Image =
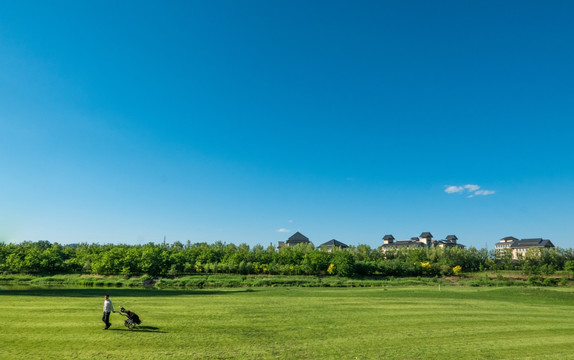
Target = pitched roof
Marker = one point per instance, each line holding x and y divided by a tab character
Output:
451	237
298	237
388	237
426	234
536	242
334	243
546	243
509	238
449	243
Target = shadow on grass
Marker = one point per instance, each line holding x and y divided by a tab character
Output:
137	329
114	292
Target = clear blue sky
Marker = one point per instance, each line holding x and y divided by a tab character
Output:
245	121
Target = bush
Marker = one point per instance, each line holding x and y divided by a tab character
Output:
446	270
457	270
569	266
550	281
535	280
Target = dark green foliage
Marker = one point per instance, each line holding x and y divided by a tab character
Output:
344	263
177	260
535	280
569	267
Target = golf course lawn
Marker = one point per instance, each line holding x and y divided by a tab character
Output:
291	323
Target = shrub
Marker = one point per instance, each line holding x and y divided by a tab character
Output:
457	270
550	281
535	280
331	270
569	266
426	267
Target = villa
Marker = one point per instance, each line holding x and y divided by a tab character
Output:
293	240
332	244
424	240
519	247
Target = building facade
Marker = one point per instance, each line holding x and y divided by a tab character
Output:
519	247
424	240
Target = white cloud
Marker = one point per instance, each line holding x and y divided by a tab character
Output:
451	189
471	189
282	230
484	192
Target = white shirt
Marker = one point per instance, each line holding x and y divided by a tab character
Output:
108	307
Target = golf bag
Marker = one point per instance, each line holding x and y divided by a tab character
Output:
132	318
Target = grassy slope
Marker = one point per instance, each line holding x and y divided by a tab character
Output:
199	281
292	323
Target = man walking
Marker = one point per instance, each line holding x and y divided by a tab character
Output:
108	307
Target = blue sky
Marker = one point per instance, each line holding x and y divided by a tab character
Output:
247	121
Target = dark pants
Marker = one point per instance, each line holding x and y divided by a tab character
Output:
106	319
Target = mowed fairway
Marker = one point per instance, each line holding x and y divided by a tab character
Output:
291	323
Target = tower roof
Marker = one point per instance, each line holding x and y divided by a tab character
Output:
298	237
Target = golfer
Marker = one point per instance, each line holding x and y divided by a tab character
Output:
108	307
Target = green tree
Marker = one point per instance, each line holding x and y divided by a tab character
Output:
317	262
344	263
14	263
151	260
569	267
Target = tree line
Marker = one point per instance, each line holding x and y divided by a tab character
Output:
177	259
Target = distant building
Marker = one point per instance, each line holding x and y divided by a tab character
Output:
519	247
331	244
390	243
293	240
424	240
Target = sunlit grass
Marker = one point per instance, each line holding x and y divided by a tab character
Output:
292	323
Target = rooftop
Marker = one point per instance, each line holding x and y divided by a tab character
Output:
298	237
334	242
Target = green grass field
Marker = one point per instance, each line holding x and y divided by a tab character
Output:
292	323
